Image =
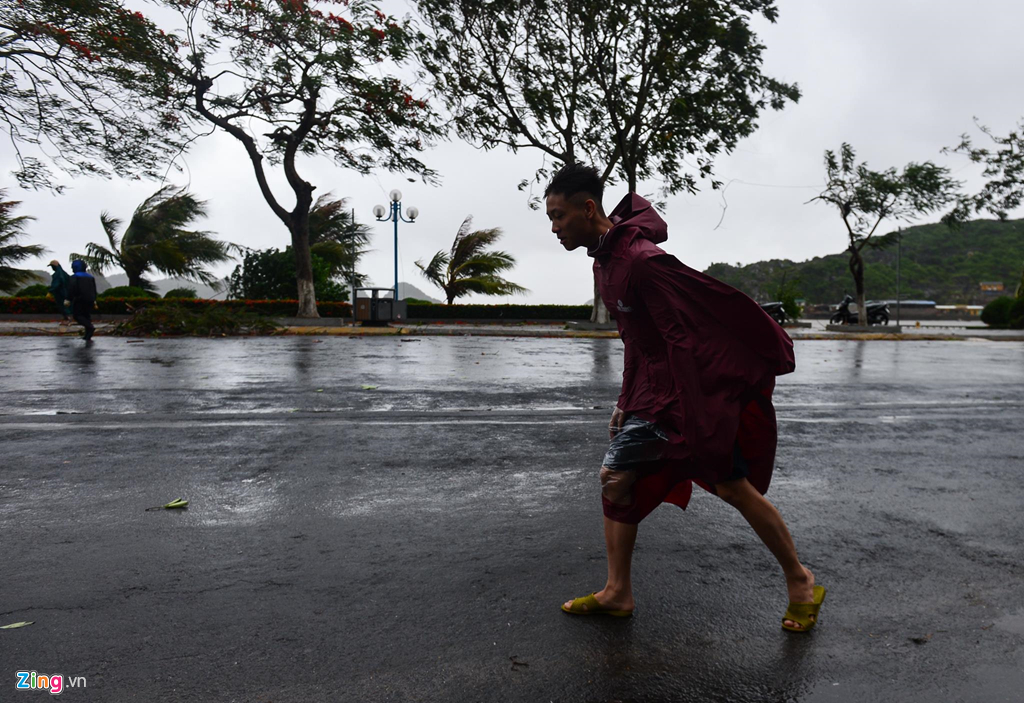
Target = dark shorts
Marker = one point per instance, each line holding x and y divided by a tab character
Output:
642	468
640	442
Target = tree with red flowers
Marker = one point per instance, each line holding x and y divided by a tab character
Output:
83	87
296	78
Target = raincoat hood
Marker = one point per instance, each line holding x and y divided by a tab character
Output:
632	218
78	266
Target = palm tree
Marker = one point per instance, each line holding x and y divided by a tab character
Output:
11	229
156	238
468	268
337	238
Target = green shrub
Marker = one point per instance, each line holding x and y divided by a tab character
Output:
417	301
269	274
499	312
1017	314
39	290
171	319
189	293
127	292
997	313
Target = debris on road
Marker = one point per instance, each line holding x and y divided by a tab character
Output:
177	503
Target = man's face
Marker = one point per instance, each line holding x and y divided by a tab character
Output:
570	220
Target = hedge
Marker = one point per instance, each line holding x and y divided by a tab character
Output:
288	308
120	306
499	312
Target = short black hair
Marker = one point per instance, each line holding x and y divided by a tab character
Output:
575	178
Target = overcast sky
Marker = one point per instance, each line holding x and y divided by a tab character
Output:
898	79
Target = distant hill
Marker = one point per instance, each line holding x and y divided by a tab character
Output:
166	284
938	264
408	290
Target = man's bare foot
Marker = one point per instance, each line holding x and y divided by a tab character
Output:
801	590
611	600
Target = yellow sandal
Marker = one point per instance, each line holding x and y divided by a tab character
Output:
589	605
802	613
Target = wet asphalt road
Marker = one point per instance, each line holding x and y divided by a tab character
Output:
413	542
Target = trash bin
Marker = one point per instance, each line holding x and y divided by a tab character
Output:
372	309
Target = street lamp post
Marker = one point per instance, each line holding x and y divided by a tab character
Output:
379	211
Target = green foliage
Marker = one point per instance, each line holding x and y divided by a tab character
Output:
12	229
303	82
499	312
171	319
337	238
189	293
865	198
269	274
469	267
127	292
39	290
997	313
787	292
938	264
157	238
85	87
1017	314
416	301
645	88
1003	191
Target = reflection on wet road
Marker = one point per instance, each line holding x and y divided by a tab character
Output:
49	375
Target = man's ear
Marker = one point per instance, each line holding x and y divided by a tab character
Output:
590	207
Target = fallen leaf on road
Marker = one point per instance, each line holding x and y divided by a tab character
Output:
177	503
369	388
14	625
921	640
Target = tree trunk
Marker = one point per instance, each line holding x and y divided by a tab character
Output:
857	269
303	265
600	313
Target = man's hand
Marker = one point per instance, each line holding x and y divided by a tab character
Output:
615	424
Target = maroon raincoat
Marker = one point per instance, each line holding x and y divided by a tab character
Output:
700	360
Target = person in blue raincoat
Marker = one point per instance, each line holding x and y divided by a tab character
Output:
82	297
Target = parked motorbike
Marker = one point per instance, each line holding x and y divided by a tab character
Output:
776	312
878	313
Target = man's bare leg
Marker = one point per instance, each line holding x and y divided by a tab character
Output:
770	527
619	539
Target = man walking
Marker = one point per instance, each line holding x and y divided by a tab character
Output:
700	365
59	283
82	297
